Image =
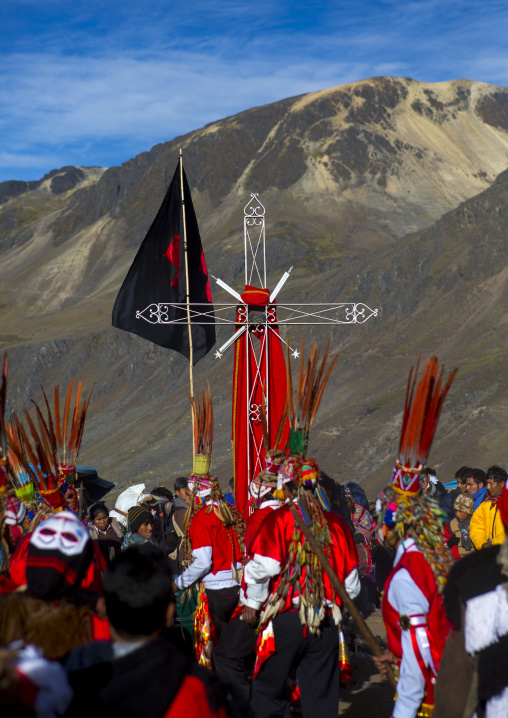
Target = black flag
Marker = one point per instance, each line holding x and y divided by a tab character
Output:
156	280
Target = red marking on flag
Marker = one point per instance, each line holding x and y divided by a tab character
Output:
172	254
207	294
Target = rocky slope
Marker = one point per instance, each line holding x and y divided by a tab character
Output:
383	191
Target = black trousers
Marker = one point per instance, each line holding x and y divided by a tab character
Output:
221	604
316	661
231	655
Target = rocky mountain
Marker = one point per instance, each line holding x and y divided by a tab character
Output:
386	191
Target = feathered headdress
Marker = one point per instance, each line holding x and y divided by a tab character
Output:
403	507
206	490
312	380
266	481
309	392
421	414
202	412
49	458
273	455
303	473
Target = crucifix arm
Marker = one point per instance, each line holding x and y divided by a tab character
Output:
282	282
230	341
227	288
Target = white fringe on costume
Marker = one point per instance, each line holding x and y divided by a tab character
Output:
486	620
497	706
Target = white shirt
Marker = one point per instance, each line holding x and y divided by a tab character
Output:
200	570
408	600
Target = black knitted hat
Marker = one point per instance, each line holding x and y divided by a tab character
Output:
137	515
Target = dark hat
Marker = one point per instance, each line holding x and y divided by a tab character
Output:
138	515
161	492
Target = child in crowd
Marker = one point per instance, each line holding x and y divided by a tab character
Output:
457	531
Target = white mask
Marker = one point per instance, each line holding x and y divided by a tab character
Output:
63	532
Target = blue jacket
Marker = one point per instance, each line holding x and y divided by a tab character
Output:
134	539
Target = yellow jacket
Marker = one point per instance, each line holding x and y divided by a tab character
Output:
486	523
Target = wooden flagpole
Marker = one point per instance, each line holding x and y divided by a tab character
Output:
348	603
187	295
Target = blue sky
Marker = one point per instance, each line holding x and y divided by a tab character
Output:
97	82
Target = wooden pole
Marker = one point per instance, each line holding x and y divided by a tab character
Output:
338	586
187	295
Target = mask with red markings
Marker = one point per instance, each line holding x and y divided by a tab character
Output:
59	554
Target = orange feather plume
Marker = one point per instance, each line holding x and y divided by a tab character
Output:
52	441
310	388
422	409
202	409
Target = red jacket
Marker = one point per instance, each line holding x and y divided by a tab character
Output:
207	529
274	539
254	522
438	627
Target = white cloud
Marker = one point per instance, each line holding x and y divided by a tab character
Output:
61	100
121	77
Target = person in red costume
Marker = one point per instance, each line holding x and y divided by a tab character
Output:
299	608
231	656
412	605
214	544
92	580
54	613
288	592
412	525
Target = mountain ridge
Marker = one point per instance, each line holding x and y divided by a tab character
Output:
433	262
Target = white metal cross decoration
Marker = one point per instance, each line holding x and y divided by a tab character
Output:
259	322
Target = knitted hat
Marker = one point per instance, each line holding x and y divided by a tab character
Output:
15	511
138	515
464	503
273	460
201	485
262	484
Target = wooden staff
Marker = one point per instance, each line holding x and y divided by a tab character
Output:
348	603
187	295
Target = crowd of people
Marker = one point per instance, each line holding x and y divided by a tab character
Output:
88	597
